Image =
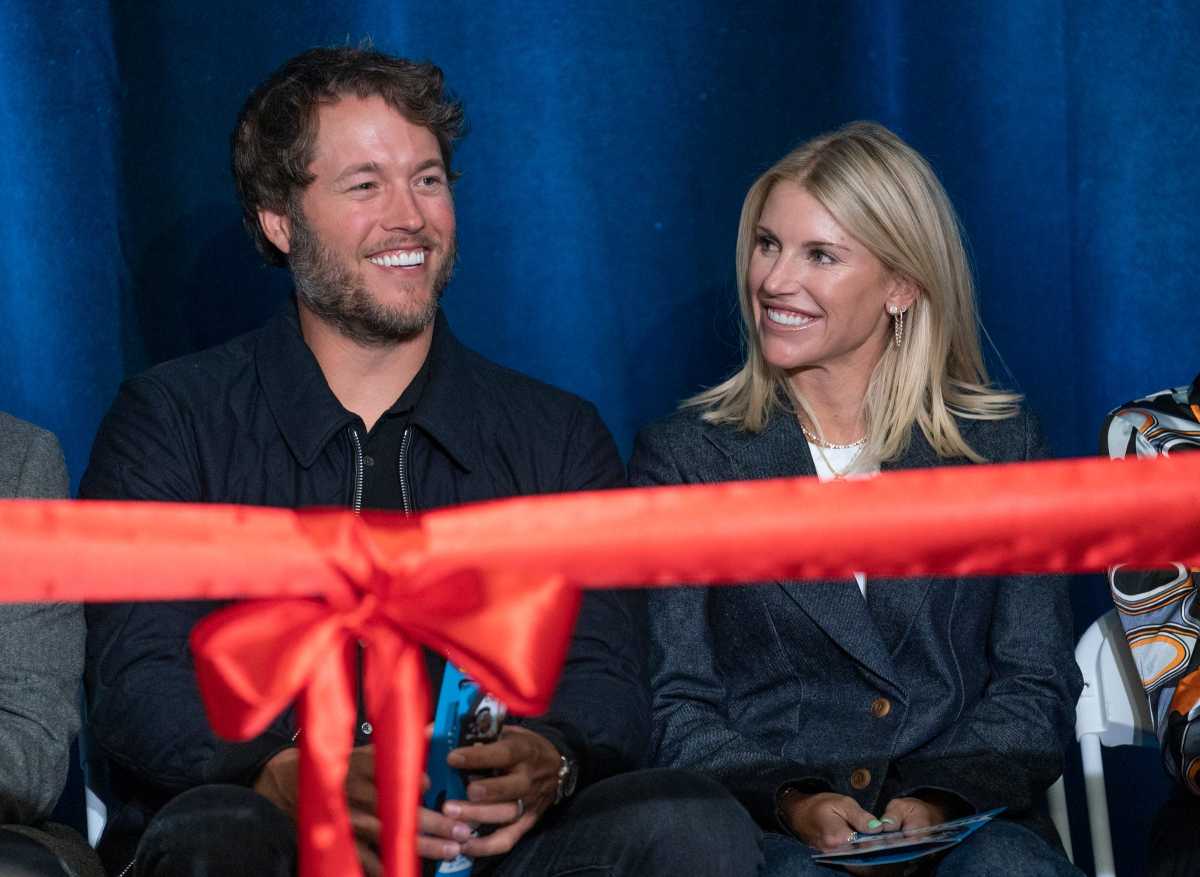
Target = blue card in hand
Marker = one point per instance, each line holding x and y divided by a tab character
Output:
890	847
465	715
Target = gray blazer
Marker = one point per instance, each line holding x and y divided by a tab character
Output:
41	651
962	685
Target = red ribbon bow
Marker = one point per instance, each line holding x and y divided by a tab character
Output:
255	658
436	581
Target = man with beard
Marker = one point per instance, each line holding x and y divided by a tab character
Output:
359	395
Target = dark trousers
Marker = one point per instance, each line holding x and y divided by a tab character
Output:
21	856
652	822
218	830
1175	837
666	823
999	849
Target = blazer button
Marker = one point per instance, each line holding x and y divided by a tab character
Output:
880	707
860	778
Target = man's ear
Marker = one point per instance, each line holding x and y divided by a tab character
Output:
277	227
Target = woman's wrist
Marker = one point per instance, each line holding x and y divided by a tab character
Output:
787	799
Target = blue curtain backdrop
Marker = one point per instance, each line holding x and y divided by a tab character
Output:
611	145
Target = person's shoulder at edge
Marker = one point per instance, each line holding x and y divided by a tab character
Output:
31	460
197	369
1168	398
1007	440
14	430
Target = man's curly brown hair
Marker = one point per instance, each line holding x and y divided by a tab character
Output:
276	130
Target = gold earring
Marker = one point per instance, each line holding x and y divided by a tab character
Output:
897	323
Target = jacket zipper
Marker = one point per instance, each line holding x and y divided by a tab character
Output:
357	498
402	470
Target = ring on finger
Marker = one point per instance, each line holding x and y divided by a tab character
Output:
520	808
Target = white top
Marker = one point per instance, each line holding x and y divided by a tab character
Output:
841	459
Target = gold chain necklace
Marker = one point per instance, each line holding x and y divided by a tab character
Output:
838	474
821	443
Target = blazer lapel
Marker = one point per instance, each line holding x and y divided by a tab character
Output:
894	603
837	607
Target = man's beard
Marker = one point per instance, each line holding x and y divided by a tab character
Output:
335	294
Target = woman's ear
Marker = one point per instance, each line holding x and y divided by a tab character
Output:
903	294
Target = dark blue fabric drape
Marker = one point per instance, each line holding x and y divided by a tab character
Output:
611	145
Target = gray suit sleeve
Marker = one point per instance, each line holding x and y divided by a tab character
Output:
41	661
43	472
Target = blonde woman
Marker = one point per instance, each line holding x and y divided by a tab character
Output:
863	705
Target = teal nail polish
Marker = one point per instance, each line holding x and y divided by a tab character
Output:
874	823
887	820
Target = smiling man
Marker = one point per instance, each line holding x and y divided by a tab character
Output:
359	395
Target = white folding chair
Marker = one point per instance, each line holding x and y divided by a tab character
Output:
1112	711
1056	797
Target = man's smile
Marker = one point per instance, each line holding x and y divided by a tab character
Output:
398	259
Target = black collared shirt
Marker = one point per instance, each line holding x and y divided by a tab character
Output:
385	484
388	481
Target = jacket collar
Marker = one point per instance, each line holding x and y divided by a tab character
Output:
448	410
780	450
309	415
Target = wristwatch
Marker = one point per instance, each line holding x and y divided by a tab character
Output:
568	778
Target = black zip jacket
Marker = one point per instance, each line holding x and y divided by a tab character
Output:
254	422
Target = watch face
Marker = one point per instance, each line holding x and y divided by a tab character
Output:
572	777
568	776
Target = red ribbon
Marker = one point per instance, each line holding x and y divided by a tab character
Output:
490	585
510	633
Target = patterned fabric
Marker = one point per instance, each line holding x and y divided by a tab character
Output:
1158	608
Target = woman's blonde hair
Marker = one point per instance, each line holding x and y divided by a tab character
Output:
881	191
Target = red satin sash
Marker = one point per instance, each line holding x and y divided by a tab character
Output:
492	585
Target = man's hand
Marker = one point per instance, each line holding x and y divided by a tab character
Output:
826	819
909	813
526	783
360	796
279	782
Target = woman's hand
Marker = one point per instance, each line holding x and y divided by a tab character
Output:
909	813
826	819
438	835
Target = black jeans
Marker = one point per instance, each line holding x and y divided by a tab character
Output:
21	856
1174	849
218	830
663	822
